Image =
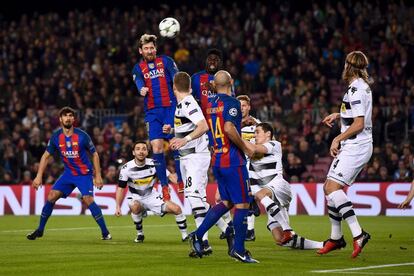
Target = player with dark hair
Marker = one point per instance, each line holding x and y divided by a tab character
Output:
73	144
229	167
139	175
201	81
153	77
272	190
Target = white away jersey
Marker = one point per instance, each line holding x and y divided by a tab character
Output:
187	114
140	179
264	169
357	102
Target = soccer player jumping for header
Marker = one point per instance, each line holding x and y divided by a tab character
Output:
153	77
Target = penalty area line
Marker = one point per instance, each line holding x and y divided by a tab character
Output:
349	270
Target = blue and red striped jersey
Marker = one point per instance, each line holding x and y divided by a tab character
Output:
158	76
220	109
73	151
200	90
202	93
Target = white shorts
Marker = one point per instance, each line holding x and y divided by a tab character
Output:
349	162
194	168
152	202
280	189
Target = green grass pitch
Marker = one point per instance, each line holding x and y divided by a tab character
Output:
72	246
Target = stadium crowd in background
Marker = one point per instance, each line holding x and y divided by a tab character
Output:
289	61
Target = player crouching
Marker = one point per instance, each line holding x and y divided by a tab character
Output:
139	174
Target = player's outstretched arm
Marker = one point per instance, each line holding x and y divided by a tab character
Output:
37	182
235	137
410	197
97	171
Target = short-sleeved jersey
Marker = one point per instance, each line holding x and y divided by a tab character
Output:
73	150
357	102
158	76
140	179
263	170
187	114
248	131
223	108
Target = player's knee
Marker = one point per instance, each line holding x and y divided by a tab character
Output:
331	186
173	208
88	200
157	146
135	208
53	196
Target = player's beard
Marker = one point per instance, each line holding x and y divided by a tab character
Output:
67	125
212	69
149	57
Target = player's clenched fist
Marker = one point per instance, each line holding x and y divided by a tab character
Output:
37	182
144	91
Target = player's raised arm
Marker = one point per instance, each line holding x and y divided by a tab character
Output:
37	182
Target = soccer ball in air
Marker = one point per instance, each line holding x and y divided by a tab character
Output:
169	27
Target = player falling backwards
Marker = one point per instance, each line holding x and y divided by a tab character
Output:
272	190
351	150
139	175
73	145
153	77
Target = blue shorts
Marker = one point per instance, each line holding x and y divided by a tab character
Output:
233	184
67	183
156	118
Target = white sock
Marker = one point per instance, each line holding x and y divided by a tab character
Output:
227	217
274	211
345	208
299	242
250	222
182	224
336	220
138	222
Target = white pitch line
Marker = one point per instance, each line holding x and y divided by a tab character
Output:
87	228
361	268
374	273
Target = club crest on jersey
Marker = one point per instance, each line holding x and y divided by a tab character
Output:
343	108
68	144
151	65
233	112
